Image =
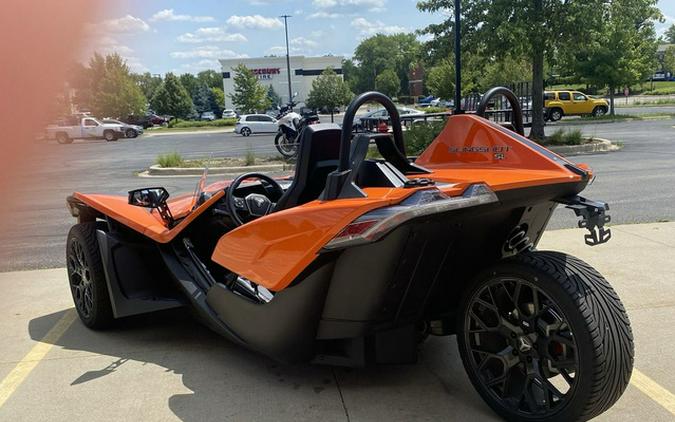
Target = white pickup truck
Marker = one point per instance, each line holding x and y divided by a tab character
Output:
70	128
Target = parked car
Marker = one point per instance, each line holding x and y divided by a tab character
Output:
70	128
255	123
130	131
229	114
426	101
208	115
571	103
146	121
382	114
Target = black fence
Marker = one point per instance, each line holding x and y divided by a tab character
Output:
498	110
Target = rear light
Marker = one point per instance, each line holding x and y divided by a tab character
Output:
372	226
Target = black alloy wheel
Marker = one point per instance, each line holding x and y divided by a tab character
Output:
544	337
521	346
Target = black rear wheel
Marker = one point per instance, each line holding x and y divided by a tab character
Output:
86	277
544	337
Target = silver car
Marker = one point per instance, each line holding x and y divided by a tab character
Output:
255	123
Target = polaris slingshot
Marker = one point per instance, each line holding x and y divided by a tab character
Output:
354	261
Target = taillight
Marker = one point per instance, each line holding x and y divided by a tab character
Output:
372	226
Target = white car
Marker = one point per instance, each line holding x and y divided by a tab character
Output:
229	114
255	123
370	118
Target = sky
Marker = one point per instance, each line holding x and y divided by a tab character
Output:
160	36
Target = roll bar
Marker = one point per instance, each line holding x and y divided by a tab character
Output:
513	100
348	123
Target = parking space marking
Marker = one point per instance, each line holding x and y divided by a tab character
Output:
653	390
22	369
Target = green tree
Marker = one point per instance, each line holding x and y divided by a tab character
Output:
670	34
624	51
211	78
537	29
203	100
190	83
218	101
112	89
329	91
440	79
172	98
249	95
669	59
148	83
374	55
388	83
274	98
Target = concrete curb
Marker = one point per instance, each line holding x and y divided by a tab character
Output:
158	171
151	133
600	146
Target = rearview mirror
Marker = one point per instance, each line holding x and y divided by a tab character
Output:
148	197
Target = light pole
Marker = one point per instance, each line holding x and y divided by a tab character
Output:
458	60
288	61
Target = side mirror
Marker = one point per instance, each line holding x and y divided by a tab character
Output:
148	197
153	198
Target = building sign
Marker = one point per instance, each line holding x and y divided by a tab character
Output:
266	73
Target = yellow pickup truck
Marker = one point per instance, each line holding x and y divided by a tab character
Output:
572	103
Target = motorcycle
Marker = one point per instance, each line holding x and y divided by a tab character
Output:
290	125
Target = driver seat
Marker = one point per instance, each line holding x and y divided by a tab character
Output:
318	156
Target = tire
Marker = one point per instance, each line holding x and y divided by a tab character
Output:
87	278
580	328
62	138
599	111
130	133
284	146
555	114
109	136
245	132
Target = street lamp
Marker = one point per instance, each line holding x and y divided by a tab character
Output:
288	61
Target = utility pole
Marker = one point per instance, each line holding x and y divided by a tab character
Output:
288	61
458	60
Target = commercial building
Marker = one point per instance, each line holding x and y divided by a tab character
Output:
272	71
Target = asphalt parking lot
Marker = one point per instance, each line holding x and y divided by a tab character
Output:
165	366
638	182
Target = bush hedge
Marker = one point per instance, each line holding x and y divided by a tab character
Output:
179	123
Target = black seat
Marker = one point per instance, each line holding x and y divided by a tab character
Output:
318	156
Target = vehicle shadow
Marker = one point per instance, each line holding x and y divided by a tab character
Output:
229	382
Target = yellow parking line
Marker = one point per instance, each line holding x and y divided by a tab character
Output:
36	354
653	390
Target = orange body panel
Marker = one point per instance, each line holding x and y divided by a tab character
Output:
471	149
273	250
147	221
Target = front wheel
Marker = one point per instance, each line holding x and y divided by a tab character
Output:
286	147
130	133
544	337
86	277
599	111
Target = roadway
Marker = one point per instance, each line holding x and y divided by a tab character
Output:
638	182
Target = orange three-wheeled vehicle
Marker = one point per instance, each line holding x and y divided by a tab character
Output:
356	260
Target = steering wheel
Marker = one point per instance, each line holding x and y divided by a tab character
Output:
254	205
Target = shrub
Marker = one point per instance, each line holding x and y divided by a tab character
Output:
178	123
249	160
562	137
436	110
421	134
172	159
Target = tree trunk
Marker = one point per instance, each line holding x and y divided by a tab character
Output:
331	116
537	131
611	101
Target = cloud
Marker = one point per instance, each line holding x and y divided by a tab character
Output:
254	22
212	35
108	45
207	52
304	42
351	5
125	25
196	67
324	15
169	16
367	28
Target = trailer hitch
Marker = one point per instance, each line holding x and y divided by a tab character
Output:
593	218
